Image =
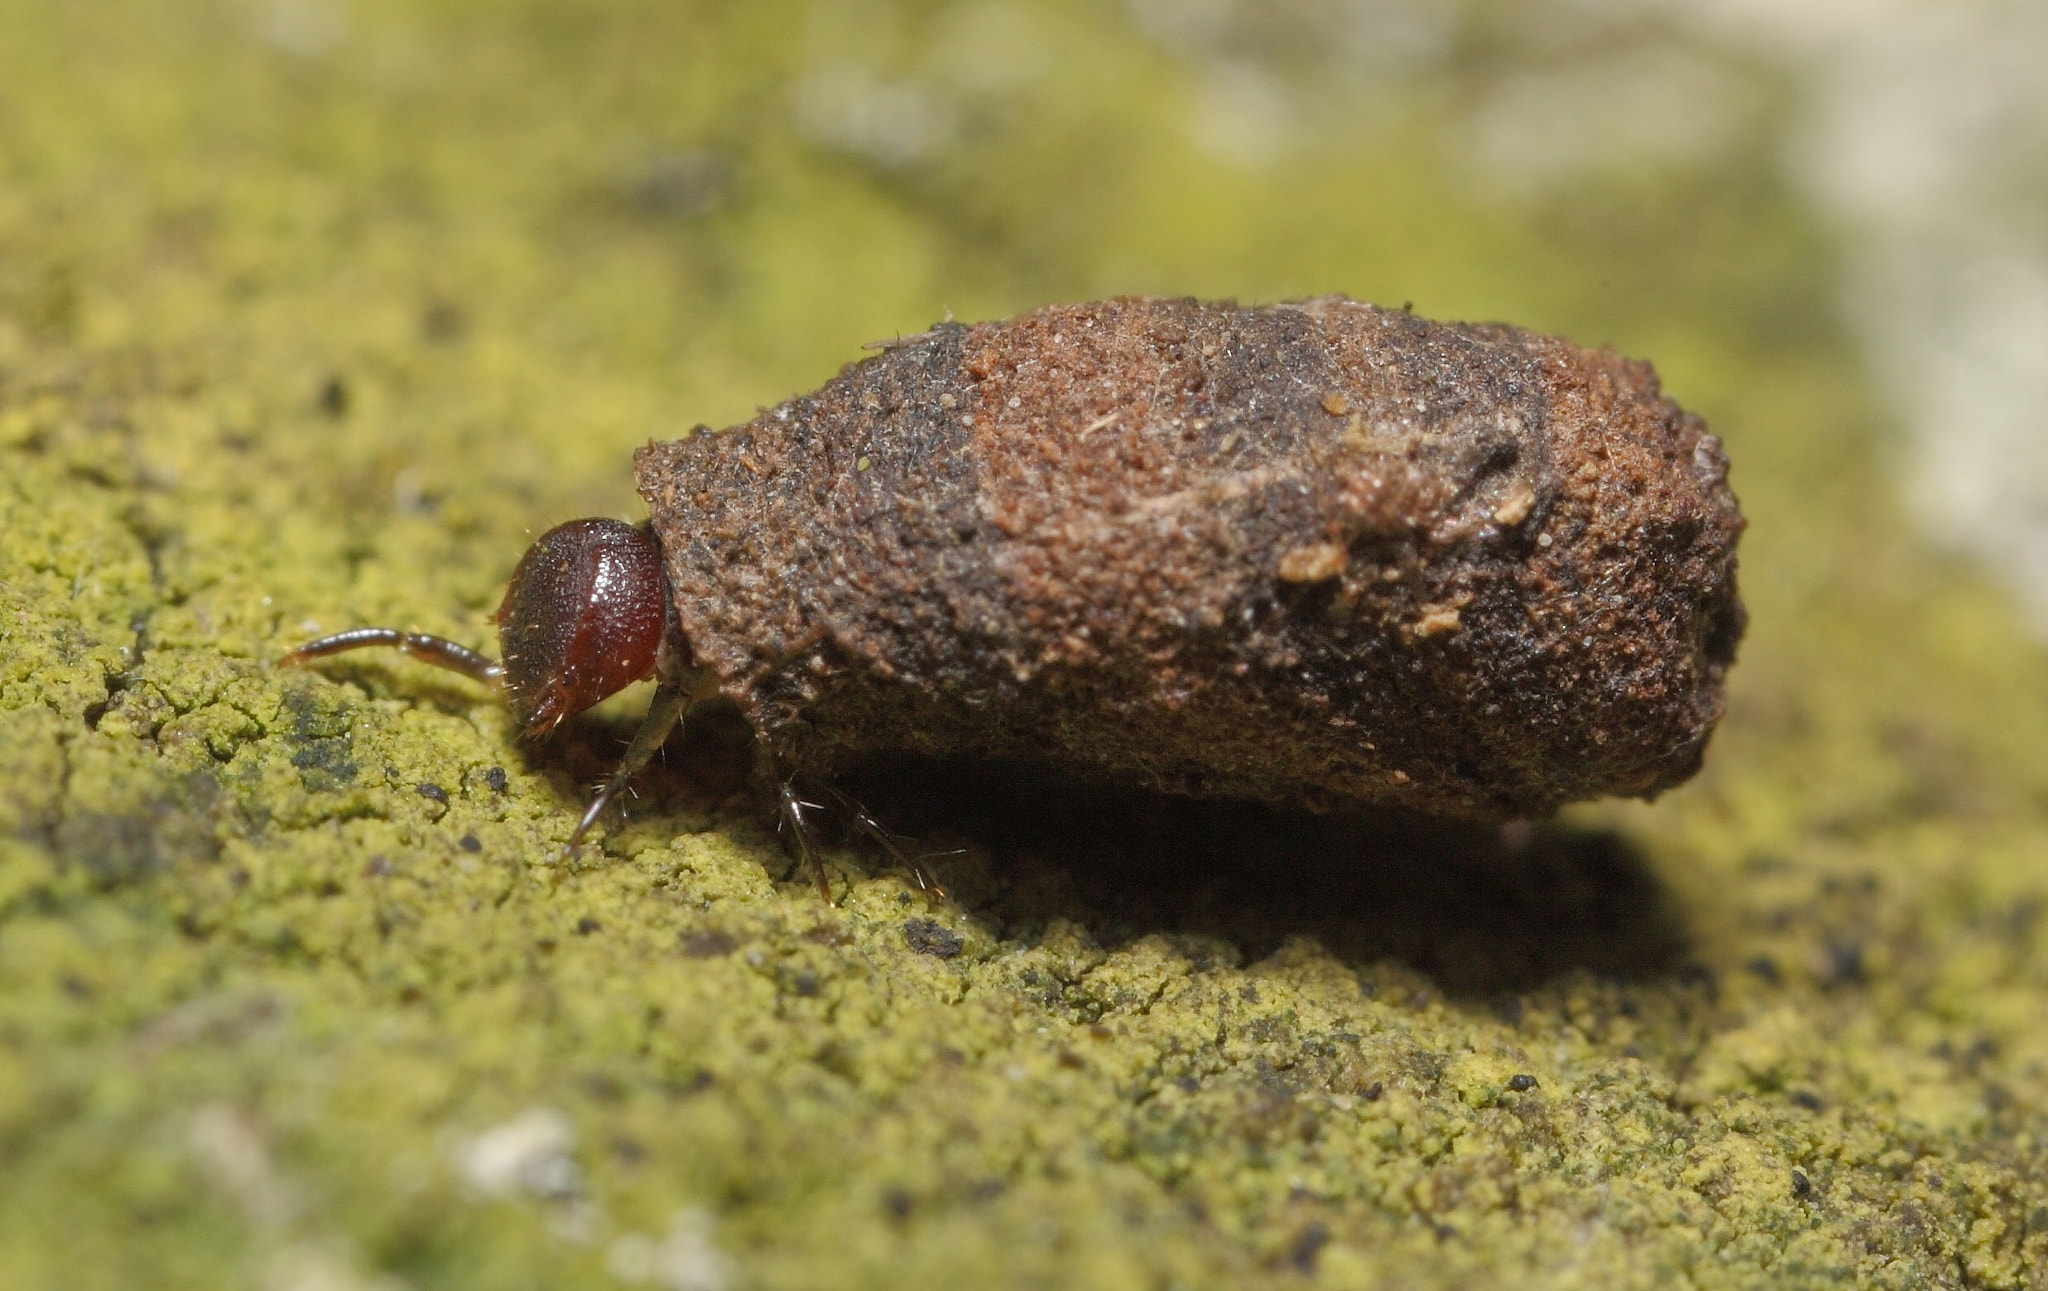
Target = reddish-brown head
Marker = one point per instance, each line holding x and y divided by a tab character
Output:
582	619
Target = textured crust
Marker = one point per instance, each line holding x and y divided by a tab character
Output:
1317	553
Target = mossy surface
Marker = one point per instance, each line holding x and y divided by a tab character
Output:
309	315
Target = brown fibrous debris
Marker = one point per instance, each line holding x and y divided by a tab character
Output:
1317	553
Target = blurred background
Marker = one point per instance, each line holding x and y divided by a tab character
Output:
1635	172
724	201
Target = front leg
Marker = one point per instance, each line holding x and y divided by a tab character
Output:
796	813
671	697
864	821
792	810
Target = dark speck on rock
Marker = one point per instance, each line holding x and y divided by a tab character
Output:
1841	964
927	937
1308	1247
1766	970
695	1083
1801	1185
587	925
471	843
1521	1082
323	763
684	185
434	793
708	943
1808	1100
1374	1090
334	397
495	778
442	322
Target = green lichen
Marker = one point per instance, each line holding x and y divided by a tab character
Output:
304	326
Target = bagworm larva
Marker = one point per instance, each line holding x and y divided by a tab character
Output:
1316	553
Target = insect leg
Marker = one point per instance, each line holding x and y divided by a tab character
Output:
865	822
671	697
792	809
438	651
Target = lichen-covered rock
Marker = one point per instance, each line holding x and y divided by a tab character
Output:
314	315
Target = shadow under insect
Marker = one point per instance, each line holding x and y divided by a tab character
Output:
1481	909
